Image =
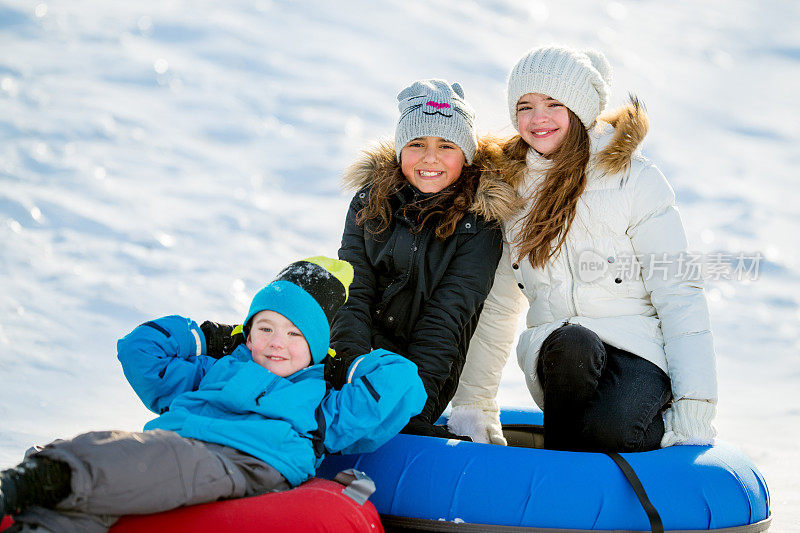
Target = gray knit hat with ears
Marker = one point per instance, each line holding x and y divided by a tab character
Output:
434	108
579	79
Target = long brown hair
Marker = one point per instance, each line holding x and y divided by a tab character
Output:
545	227
449	206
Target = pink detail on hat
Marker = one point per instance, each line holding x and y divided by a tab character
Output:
437	105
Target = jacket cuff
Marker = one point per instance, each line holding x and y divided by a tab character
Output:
184	332
692	366
198	339
483	405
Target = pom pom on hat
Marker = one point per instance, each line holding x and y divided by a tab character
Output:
307	292
600	62
579	79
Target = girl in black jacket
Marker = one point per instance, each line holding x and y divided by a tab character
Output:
423	236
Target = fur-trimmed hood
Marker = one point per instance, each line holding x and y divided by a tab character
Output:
615	139
495	199
630	125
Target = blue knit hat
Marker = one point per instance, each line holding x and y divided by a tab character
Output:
308	293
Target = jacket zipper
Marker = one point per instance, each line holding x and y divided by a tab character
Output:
396	287
571	281
266	391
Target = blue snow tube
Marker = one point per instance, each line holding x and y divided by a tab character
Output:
441	485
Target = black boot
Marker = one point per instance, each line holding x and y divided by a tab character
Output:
35	481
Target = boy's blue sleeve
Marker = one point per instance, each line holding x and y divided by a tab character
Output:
383	391
164	358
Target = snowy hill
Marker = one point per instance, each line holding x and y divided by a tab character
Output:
169	157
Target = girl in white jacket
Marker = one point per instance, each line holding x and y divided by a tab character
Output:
617	349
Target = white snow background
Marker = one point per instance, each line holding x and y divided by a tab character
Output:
169	156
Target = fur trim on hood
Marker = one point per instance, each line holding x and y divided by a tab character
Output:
630	125
495	199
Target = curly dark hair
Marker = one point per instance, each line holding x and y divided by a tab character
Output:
445	208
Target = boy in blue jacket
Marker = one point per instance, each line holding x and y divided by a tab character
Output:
260	419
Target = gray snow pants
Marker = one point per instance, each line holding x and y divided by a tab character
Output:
117	472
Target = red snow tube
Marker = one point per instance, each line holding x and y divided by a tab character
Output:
317	505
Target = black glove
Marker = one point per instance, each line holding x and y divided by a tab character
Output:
418	426
220	338
336	370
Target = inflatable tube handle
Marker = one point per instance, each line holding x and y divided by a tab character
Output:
656	526
358	485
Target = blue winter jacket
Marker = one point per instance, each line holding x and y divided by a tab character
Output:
289	423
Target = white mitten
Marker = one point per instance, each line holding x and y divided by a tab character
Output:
689	422
480	420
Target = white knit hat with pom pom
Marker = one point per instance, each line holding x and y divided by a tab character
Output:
579	79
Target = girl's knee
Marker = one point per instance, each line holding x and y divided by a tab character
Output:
572	340
572	348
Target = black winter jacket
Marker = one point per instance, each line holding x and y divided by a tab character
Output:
413	293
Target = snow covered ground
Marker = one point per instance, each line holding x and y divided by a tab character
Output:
170	156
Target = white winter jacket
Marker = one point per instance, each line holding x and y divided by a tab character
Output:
619	273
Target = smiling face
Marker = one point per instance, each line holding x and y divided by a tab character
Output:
277	344
431	163
543	122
